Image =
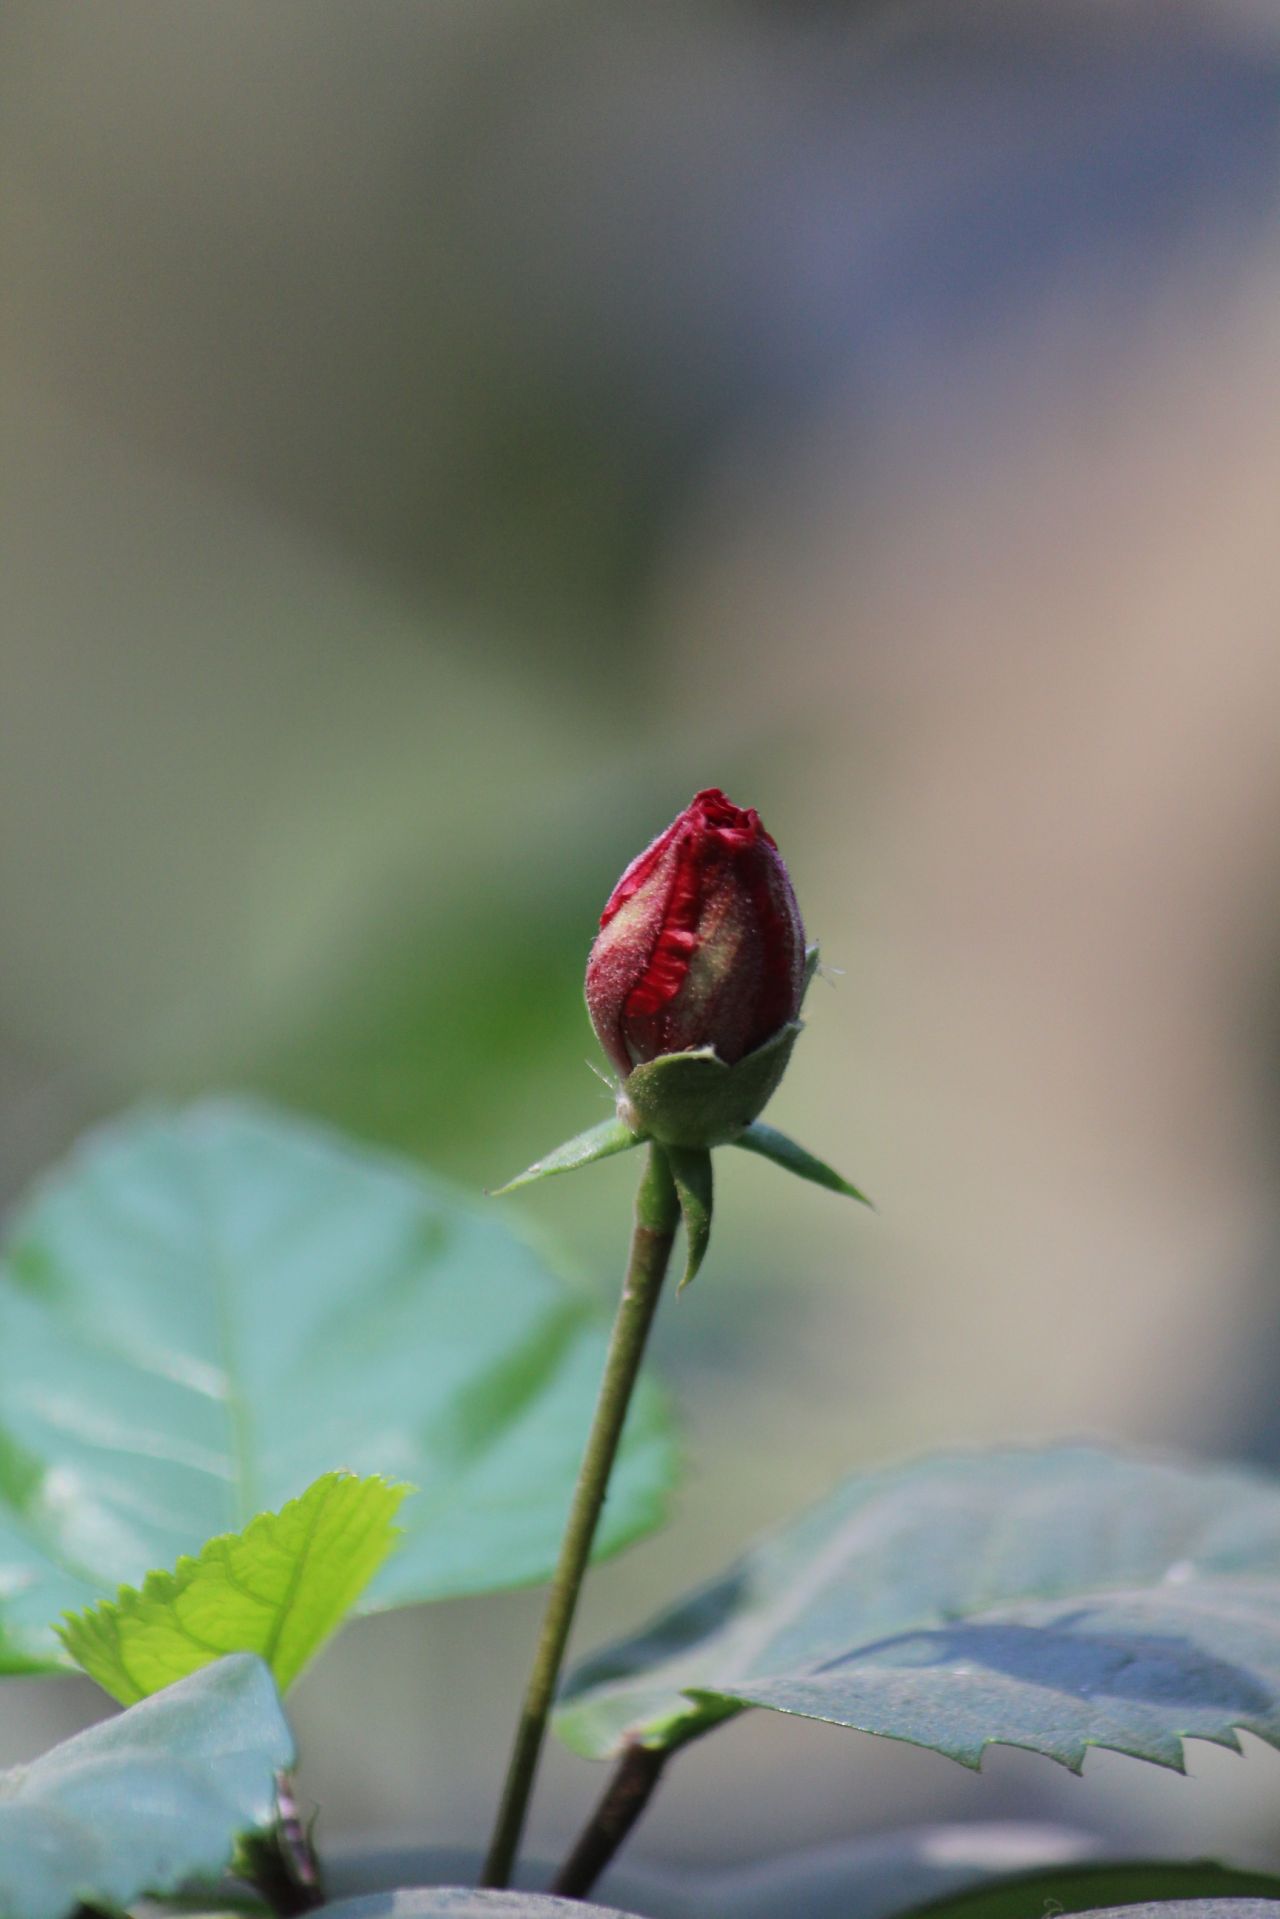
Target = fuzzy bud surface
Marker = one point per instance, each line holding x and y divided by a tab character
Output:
701	942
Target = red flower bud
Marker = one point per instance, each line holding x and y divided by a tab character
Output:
701	942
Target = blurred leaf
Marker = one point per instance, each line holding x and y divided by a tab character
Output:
941	1872
440	1036
278	1589
1054	1599
206	1309
1228	1907
1079	1889
159	1795
461	1902
882	1875
970	1871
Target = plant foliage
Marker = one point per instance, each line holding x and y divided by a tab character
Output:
163	1794
460	1902
207	1309
278	1589
1053	1599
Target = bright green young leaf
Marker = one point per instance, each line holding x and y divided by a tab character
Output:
277	1589
1055	1599
162	1794
207	1309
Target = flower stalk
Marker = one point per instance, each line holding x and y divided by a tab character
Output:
629	1791
694	986
657	1216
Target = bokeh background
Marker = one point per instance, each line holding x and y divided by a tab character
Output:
438	437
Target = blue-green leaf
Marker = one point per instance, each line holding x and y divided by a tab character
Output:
160	1795
1227	1908
998	1870
461	1902
207	1309
1056	1599
278	1589
1196	1887
1136	1671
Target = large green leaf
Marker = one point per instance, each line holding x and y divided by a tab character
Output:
160	1795
278	1589
206	1309
1054	1599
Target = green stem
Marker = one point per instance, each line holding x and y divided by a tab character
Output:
657	1214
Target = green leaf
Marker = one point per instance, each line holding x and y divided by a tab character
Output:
692	1176
784	1152
278	1589
1055	1600
207	1309
157	1796
461	1902
598	1142
1196	1885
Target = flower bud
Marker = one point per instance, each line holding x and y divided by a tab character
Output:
694	987
701	944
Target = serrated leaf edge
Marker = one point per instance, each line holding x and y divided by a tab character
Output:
162	1586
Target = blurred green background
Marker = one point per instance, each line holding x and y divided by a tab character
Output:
439	437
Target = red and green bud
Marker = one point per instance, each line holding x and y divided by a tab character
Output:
694	986
701	944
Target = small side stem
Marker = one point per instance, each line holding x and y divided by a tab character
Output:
657	1214
283	1866
624	1799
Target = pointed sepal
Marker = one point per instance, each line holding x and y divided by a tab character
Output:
598	1142
784	1152
691	1171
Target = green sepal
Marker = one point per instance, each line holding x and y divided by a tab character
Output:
694	1099
598	1142
691	1172
784	1152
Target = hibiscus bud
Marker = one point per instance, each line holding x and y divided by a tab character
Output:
701	944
